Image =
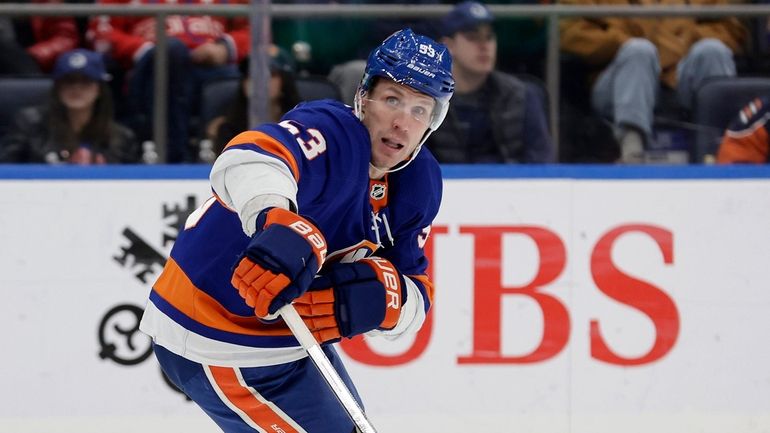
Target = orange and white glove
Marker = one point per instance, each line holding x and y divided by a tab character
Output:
280	261
353	298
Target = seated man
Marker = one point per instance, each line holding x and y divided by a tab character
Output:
494	117
633	58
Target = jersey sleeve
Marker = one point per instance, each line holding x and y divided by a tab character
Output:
313	155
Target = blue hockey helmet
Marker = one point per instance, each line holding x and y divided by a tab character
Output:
415	61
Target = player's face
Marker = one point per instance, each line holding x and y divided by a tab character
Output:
397	117
474	51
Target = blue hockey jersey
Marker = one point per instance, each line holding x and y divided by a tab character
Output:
193	309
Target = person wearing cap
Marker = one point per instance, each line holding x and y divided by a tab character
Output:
494	117
631	59
76	126
282	97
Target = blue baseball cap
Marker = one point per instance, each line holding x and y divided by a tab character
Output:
81	61
465	16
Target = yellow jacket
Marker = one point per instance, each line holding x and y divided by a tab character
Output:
596	40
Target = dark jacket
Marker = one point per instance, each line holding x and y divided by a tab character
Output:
503	122
29	141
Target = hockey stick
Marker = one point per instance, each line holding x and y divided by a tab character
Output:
322	363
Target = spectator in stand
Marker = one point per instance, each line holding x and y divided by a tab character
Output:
632	57
76	126
494	117
283	96
30	45
200	48
747	139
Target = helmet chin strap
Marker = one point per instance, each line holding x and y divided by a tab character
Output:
398	166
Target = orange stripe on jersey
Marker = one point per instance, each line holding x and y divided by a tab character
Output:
177	289
427	283
249	404
268	144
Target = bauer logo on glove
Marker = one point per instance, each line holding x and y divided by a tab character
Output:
353	298
389	277
312	234
280	261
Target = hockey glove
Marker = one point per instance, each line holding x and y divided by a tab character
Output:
280	261
353	298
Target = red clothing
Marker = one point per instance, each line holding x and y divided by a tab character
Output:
53	36
126	36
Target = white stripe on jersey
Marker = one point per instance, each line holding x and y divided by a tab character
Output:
171	335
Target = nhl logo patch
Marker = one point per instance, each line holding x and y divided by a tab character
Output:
378	191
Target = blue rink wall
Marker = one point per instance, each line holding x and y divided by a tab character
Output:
580	299
459	171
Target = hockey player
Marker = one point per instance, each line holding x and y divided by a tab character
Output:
330	209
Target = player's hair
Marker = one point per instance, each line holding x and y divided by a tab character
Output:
418	62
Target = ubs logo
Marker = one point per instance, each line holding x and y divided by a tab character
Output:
120	340
119	336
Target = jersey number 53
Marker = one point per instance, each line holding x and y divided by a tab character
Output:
311	147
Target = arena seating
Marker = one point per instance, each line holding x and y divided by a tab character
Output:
20	92
716	103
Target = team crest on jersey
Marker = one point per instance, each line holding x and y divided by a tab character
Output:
378	194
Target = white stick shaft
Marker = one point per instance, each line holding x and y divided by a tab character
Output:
313	349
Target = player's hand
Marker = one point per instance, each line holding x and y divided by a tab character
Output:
280	262
353	298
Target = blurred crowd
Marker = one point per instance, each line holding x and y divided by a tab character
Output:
632	89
